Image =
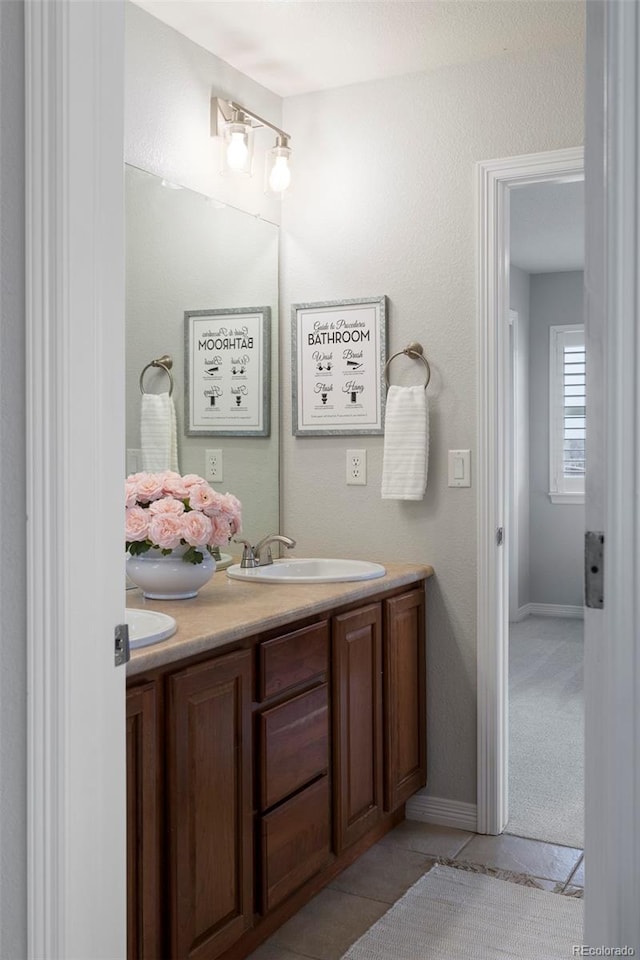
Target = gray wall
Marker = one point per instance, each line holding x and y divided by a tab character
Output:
13	644
557	529
384	212
389	208
519	585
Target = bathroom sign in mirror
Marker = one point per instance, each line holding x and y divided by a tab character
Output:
339	353
227	359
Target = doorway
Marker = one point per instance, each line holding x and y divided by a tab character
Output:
544	528
496	180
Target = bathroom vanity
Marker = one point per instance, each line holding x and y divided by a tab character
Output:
270	741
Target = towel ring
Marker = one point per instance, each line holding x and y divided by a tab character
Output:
415	351
165	363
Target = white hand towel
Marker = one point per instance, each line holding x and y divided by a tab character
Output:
158	433
406	444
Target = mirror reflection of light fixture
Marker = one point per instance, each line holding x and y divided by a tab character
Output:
235	125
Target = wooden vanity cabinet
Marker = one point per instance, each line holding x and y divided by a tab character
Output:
293	754
379	686
405	723
255	776
144	901
210	823
357	723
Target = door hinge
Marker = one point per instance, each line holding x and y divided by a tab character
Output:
594	569
122	651
500	536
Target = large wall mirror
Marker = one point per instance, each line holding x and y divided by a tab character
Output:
187	252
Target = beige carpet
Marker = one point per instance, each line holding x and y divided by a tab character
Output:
546	730
453	915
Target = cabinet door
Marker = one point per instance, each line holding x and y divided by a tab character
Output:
404	698
143	824
357	715
210	815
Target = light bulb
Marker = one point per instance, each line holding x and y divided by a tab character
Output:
277	172
280	175
237	152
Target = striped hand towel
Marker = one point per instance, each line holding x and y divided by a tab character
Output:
158	433
406	444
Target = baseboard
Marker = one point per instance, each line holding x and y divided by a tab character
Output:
447	813
548	610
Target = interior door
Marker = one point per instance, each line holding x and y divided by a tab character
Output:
74	109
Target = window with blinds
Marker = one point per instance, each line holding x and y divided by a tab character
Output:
567	407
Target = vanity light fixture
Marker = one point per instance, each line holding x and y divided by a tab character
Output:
277	171
235	125
237	143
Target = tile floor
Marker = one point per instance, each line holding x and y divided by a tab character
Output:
327	926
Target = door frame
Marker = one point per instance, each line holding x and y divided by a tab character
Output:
74	219
495	178
512	544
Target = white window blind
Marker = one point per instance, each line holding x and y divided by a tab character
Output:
567	407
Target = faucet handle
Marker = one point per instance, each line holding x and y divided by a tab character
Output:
248	555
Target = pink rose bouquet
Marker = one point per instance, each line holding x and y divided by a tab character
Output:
166	510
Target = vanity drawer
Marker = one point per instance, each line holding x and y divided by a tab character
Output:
295	658
294	744
295	842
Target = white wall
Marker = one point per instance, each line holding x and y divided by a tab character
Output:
557	529
13	647
169	83
384	204
519	293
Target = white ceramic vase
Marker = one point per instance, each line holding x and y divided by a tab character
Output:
169	577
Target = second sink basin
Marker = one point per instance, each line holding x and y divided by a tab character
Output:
148	626
309	570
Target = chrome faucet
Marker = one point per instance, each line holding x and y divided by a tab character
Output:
272	538
248	555
252	556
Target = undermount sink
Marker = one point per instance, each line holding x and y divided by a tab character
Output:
308	570
148	626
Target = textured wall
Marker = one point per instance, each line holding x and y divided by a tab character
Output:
13	644
557	529
384	203
519	294
169	83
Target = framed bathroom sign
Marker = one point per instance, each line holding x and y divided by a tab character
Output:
227	372
338	359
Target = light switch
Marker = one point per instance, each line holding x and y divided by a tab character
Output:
459	468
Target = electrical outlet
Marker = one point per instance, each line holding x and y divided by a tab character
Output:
213	466
134	460
357	467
